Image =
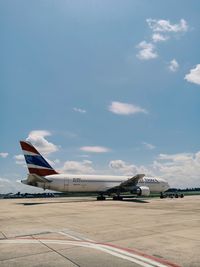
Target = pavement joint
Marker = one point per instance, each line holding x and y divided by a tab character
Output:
57	252
4	236
27	255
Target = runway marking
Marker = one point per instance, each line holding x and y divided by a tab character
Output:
75	235
71	236
126	254
58	252
4	236
133	251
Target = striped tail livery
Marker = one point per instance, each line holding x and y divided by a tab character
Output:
35	162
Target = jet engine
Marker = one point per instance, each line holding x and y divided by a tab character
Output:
143	191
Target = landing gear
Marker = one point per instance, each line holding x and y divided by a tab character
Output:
118	197
101	197
171	195
162	195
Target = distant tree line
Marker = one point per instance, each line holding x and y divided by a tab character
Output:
193	189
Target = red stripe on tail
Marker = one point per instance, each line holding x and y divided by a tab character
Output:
42	172
28	147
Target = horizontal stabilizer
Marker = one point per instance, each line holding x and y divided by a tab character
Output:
33	179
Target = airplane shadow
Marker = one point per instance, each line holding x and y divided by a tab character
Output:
51	202
142	201
136	200
33	203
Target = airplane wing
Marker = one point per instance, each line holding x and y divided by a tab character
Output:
131	182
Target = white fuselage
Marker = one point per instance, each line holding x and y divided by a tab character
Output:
97	183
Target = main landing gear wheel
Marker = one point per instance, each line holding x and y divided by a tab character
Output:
101	198
117	198
162	195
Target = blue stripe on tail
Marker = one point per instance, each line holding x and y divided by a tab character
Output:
37	160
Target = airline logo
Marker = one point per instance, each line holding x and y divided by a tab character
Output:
35	162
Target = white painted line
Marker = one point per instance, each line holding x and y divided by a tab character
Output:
142	258
132	259
142	261
87	239
71	236
150	261
75	236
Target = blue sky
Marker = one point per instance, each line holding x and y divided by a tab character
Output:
101	87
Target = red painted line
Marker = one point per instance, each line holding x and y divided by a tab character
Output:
171	264
130	250
42	172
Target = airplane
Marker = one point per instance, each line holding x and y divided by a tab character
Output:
42	175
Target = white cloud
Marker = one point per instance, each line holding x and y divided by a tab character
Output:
166	26
194	75
181	170
176	157
37	138
127	169
161	30
3	154
173	65
6	186
148	146
95	149
125	108
147	51
123	167
19	159
157	37
79	110
78	167
14	186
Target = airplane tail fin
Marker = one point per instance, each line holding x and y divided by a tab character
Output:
35	162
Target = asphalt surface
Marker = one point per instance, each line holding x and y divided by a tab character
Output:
85	232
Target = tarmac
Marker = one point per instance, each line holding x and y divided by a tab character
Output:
85	232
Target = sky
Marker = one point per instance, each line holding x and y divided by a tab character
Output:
104	87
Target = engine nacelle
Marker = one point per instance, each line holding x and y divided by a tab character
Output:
143	191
